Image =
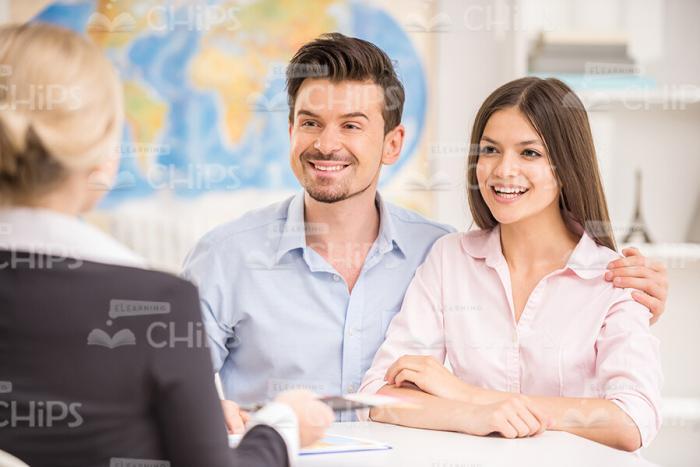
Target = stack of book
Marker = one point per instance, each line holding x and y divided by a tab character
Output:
586	60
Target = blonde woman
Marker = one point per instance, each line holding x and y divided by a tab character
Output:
88	373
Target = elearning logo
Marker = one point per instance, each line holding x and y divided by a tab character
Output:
125	308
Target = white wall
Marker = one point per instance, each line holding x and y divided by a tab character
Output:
4	11
475	57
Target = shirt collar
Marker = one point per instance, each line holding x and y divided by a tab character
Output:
293	232
49	232
389	235
588	260
484	244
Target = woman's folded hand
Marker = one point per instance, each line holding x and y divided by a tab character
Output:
430	376
516	416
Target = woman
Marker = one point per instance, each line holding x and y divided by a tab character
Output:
102	362
536	336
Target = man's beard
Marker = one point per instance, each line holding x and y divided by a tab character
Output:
328	193
329	196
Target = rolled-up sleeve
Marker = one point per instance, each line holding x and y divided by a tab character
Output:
415	330
628	366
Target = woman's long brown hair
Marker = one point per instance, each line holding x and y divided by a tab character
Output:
560	119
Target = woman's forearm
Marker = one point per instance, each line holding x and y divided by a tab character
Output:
430	412
599	420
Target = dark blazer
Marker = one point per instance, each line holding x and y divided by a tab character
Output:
81	388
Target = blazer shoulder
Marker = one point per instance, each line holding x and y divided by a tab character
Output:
138	281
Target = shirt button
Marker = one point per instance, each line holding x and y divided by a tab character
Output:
351	388
336	277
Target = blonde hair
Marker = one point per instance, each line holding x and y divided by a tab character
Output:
60	108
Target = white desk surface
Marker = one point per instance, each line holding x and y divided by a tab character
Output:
426	448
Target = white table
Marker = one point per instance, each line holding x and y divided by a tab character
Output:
426	448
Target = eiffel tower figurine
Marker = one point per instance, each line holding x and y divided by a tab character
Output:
638	232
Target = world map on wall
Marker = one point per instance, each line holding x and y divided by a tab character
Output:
205	103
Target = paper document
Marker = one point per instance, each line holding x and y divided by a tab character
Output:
331	444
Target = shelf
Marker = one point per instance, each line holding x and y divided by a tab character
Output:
659	98
677	409
674	253
622	92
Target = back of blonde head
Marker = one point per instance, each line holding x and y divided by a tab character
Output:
60	108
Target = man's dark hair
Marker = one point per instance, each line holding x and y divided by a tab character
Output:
337	57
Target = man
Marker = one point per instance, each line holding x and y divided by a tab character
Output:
300	293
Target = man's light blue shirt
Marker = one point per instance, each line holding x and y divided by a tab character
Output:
278	315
